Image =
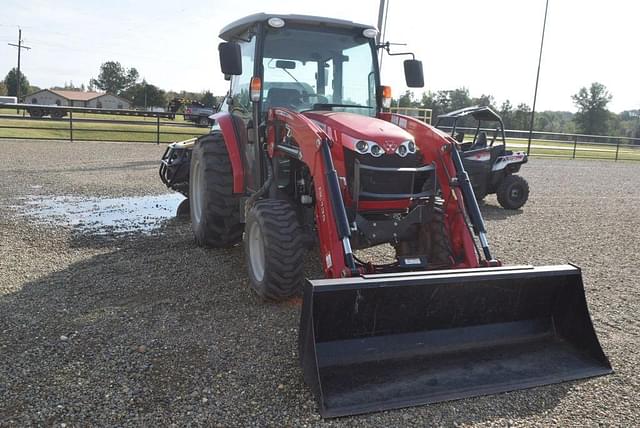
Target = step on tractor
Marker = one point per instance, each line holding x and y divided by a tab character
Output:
303	154
491	167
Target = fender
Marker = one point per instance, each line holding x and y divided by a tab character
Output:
224	123
515	158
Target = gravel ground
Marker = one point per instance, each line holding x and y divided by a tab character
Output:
147	329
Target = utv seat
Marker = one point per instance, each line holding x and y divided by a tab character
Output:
481	141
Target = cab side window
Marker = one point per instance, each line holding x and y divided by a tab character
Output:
240	101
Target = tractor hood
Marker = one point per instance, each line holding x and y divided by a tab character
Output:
346	127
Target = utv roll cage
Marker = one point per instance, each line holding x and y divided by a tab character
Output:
480	114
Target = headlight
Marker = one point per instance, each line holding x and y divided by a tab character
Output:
276	22
407	147
362	146
376	150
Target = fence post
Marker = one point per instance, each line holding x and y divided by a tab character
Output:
617	149
575	145
71	126
158	129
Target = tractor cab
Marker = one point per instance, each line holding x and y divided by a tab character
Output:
301	64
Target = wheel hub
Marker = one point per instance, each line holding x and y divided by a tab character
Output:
256	251
196	198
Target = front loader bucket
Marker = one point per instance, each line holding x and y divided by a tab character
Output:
386	341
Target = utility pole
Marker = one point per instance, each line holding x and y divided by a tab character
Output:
383	11
20	46
535	93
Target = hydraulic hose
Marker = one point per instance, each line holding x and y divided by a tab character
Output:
337	204
470	202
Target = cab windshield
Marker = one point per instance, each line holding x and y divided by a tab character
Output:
315	70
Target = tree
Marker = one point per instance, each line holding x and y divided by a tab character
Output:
459	98
483	100
208	99
11	82
521	117
3	88
407	100
145	95
114	78
506	112
592	116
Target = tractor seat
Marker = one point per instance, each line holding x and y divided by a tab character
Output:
282	97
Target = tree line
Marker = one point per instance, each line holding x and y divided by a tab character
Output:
115	79
592	116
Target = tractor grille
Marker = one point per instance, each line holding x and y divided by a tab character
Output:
381	185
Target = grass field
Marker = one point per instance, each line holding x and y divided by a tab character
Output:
554	148
170	130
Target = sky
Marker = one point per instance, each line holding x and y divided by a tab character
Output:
489	46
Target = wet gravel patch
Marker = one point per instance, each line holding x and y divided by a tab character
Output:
145	329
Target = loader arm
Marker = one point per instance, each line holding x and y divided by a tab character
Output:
434	146
292	134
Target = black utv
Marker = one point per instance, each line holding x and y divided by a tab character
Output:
491	167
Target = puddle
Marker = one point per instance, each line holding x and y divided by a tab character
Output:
103	216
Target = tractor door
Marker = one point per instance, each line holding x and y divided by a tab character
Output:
239	104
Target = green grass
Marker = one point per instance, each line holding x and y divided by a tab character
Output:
49	129
77	115
583	150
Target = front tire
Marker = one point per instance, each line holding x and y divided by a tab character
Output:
274	248
214	209
513	192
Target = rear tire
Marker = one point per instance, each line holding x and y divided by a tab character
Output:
513	192
214	209
203	121
274	248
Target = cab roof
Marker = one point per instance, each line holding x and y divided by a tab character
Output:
239	27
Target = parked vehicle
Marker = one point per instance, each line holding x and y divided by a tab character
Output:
8	100
491	167
198	114
283	170
194	111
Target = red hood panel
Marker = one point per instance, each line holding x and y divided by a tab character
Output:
361	127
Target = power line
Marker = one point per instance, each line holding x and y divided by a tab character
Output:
20	46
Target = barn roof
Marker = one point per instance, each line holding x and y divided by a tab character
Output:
76	95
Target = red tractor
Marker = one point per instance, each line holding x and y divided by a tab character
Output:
302	152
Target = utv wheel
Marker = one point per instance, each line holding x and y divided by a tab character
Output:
513	192
215	210
274	248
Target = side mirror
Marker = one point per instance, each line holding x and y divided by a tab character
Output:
413	73
230	58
